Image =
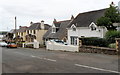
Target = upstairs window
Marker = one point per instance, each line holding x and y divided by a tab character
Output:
22	34
27	31
53	30
74	29
93	27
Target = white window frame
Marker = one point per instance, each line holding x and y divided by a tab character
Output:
95	26
53	30
74	40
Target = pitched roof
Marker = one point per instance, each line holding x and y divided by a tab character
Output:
13	31
60	34
22	29
85	19
36	26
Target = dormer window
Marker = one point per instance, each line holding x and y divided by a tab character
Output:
93	26
53	30
73	27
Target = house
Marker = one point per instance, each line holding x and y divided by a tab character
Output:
57	31
10	35
21	33
84	25
36	31
2	34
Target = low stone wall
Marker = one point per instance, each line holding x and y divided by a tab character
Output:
100	50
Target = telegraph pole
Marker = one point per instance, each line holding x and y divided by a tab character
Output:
15	27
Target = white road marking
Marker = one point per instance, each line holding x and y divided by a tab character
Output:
43	58
96	68
50	59
33	56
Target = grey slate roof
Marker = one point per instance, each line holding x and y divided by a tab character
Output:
22	29
36	26
60	34
85	19
13	31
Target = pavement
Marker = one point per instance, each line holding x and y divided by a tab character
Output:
25	60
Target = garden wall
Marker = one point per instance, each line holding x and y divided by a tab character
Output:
100	50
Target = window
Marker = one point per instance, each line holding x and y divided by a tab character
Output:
21	33
73	40
93	27
74	29
53	30
34	32
31	31
27	31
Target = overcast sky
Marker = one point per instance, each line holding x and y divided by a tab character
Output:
37	10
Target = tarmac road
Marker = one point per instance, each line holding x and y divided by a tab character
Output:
25	60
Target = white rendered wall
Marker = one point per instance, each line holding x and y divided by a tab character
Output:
86	32
50	45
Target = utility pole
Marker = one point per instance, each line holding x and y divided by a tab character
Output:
15	27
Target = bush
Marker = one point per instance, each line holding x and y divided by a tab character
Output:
94	41
111	35
113	45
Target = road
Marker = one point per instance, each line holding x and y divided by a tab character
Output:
25	60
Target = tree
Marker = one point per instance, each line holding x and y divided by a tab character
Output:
111	16
105	21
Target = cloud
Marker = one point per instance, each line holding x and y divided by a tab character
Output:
47	10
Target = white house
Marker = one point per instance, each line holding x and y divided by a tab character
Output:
84	25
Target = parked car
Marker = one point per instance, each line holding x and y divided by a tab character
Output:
3	44
12	45
59	41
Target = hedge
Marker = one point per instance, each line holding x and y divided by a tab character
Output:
94	41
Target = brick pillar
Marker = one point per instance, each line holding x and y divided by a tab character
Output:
118	45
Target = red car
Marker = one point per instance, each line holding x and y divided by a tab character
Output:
11	45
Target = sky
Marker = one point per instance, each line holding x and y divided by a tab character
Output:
37	10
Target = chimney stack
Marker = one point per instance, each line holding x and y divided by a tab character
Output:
72	17
42	25
20	27
31	23
112	4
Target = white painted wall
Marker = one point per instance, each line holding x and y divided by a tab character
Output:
86	32
51	45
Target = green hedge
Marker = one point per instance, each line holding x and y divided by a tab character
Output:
94	41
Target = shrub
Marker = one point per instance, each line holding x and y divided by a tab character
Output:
111	35
94	41
113	45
